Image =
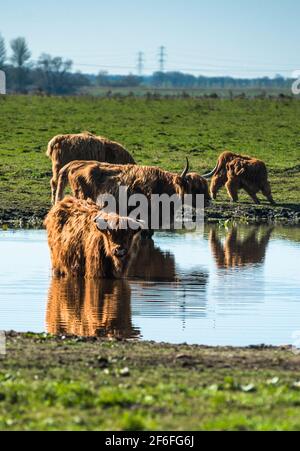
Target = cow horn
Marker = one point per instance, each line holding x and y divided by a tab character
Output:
186	169
210	174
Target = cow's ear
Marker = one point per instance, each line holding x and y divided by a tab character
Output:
101	223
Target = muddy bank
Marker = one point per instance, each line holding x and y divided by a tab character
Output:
65	350
254	214
219	212
22	219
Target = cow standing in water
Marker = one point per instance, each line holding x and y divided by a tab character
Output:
86	242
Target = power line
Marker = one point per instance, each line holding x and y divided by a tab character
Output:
191	55
162	58
140	64
204	68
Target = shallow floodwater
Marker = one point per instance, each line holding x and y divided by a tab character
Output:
239	286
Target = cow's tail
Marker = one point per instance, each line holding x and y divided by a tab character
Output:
50	148
62	183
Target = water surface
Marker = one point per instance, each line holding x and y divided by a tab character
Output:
239	286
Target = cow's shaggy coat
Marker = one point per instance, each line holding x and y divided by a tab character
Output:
249	175
80	246
240	172
84	146
90	179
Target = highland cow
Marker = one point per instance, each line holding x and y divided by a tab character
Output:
237	172
93	179
85	146
86	242
249	175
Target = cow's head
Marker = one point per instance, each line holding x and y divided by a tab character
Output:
193	184
121	236
218	181
197	185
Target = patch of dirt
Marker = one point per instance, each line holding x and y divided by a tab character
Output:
45	353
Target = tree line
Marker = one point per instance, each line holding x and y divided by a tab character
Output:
54	75
50	75
179	80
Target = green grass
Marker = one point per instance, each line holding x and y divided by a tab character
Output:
157	132
104	91
51	384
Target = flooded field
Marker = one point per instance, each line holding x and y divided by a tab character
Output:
238	287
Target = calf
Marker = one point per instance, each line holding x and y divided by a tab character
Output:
250	175
240	172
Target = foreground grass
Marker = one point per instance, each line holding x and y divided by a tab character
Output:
54	384
157	132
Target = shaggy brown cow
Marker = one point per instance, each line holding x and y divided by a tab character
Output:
80	245
89	308
240	172
90	179
85	146
250	175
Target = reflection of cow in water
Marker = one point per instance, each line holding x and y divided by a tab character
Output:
89	308
153	264
102	308
240	249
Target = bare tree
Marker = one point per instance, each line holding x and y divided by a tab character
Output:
55	74
20	57
2	52
21	53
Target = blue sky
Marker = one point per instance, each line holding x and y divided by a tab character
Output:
216	37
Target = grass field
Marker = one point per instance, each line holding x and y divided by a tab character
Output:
188	92
54	384
157	132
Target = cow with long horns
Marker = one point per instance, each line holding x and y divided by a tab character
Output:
93	179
